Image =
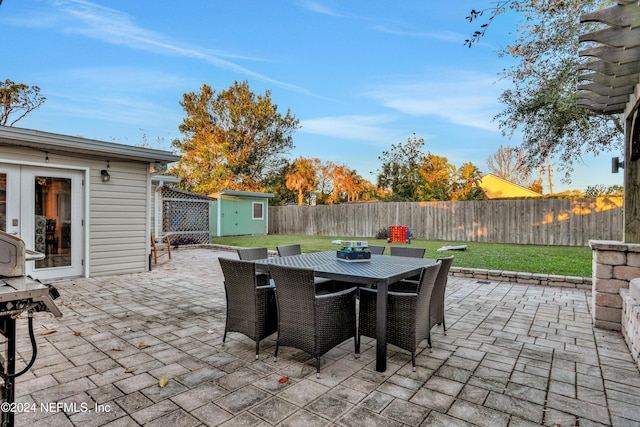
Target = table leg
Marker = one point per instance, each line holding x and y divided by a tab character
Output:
381	326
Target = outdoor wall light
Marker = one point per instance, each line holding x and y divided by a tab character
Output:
105	175
616	164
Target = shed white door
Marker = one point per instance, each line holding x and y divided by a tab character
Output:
44	207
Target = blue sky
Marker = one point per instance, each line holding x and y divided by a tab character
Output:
359	75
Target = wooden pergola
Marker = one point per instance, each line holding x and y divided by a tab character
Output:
613	87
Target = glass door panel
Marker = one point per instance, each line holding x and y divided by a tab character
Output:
52	221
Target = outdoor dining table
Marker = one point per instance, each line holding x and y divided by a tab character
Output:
380	272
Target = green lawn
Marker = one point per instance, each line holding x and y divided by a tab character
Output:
560	260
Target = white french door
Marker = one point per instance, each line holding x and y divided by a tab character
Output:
44	207
10	199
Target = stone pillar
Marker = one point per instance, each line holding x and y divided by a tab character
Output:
614	265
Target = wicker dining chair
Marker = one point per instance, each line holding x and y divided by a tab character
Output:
408	313
437	297
251	308
288	250
309	321
252	254
405	251
377	250
436	308
408	252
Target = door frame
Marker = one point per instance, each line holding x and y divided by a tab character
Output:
13	192
84	193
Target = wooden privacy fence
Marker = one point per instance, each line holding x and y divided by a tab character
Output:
568	222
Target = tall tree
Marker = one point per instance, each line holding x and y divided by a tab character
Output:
17	100
510	164
469	183
276	183
337	183
302	178
436	171
542	102
400	170
234	139
347	184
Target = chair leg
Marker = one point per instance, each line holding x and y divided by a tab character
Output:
257	349
413	361
356	344
444	327
224	336
318	367
275	354
429	341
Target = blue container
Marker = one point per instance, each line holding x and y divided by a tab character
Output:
353	256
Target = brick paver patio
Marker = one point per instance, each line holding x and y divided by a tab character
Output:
514	355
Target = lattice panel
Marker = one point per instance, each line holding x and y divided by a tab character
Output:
185	218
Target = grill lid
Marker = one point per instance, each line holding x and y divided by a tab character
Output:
13	255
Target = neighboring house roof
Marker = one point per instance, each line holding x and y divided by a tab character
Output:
242	194
81	147
498	188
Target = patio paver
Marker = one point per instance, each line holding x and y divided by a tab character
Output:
514	355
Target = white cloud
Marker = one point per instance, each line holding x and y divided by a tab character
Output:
115	27
316	7
448	36
460	97
355	127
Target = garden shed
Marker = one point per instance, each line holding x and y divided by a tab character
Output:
235	213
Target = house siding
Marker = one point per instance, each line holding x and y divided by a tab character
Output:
117	222
120	223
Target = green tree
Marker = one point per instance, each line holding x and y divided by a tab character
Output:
276	183
18	100
542	102
603	190
400	169
233	139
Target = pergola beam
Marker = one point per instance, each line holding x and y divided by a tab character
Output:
615	89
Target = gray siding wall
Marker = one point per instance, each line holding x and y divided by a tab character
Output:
117	221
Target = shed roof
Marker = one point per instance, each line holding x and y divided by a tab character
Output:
81	147
243	194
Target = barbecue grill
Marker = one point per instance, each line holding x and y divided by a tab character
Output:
19	294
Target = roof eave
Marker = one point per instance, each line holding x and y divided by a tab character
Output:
52	142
